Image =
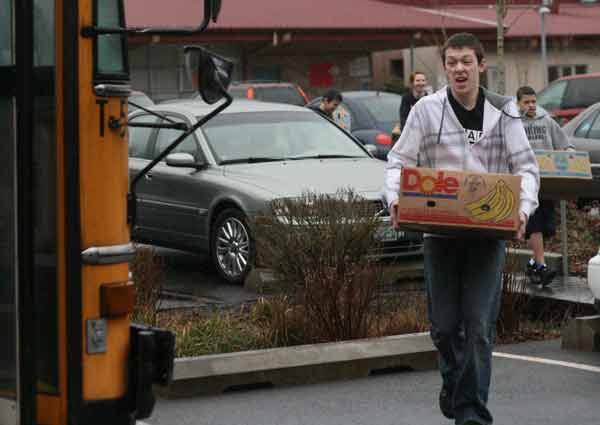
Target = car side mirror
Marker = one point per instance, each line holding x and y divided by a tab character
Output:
182	160
372	149
209	73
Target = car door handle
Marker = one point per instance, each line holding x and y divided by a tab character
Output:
148	176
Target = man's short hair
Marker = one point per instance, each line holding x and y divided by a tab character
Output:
462	40
525	91
332	95
413	75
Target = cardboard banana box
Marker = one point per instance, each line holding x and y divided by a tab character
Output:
564	174
459	203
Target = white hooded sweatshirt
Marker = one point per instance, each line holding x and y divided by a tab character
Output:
434	138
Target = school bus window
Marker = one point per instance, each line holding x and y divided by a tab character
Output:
43	30
110	48
5	33
44	198
8	323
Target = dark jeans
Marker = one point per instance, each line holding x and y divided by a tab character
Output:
464	286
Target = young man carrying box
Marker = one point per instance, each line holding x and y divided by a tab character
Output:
543	133
464	127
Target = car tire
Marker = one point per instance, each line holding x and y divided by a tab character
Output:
231	246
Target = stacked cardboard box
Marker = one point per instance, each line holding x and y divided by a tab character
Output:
564	174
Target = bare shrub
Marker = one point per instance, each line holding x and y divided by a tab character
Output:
280	321
513	308
409	316
320	245
147	270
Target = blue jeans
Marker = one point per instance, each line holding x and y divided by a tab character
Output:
464	287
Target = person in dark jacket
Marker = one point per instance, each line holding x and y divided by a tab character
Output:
543	133
329	103
418	83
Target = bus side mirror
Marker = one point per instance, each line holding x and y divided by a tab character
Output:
215	9
209	73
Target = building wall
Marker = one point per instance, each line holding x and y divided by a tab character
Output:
311	72
522	62
424	59
158	69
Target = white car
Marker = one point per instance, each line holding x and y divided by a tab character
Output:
594	278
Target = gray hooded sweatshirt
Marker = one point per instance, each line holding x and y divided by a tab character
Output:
545	133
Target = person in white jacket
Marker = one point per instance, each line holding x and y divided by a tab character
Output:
464	127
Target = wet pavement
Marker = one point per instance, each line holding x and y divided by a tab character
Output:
573	289
533	383
191	282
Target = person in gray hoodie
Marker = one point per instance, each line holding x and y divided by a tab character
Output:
543	133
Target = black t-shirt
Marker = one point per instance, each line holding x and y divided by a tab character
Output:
471	120
408	101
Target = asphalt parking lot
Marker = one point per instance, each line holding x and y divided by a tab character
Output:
533	383
190	281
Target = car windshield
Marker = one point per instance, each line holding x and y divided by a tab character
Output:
383	108
139	99
582	92
271	136
551	97
238	92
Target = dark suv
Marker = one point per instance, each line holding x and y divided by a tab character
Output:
568	96
269	91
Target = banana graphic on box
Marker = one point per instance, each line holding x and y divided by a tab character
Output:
495	206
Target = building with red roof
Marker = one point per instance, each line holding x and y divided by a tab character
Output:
292	40
572	32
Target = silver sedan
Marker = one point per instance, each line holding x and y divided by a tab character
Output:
584	133
202	196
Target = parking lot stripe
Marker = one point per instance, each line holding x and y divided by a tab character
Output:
571	365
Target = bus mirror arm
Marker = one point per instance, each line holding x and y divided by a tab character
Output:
151	112
211	12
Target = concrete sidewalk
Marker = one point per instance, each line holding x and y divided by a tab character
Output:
572	289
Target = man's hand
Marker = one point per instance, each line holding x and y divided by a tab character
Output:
394	214
522	225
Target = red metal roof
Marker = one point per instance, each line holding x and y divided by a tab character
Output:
524	21
243	15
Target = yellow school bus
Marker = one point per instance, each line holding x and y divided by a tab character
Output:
69	354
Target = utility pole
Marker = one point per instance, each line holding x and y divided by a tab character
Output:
501	76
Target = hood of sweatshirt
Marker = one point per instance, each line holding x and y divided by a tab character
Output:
540	113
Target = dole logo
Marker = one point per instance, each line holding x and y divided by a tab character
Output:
440	186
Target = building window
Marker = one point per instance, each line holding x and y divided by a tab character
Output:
557	71
266	72
397	68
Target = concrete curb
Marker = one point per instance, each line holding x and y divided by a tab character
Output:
301	364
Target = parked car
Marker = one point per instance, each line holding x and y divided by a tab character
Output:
566	97
584	133
204	193
593	279
269	91
370	116
139	98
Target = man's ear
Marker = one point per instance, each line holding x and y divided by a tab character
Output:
482	65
